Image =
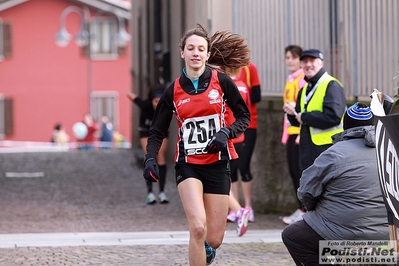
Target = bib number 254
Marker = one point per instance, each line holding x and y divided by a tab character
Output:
198	131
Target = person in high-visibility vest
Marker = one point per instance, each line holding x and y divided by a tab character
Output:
319	109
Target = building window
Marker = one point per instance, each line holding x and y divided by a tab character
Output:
6	117
103	44
5	40
105	103
2	117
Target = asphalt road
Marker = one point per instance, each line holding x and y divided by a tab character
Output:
102	192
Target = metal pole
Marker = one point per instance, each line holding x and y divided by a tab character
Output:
89	76
209	16
1	40
87	20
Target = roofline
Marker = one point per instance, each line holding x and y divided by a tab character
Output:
123	8
6	4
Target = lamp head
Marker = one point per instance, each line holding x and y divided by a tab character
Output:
82	38
122	37
63	37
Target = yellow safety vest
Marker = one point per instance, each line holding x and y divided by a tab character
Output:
320	136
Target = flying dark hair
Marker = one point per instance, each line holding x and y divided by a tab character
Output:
227	49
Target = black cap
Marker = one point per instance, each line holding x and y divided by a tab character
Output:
312	53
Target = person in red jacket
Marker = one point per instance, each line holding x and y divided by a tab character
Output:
249	75
241	214
87	143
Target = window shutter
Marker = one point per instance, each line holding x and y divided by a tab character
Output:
7	40
8	116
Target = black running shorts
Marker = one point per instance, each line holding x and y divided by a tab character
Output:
215	177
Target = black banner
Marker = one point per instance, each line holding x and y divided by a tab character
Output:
387	145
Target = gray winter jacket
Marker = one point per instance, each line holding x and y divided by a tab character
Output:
341	190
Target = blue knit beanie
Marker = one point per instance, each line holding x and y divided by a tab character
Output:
358	115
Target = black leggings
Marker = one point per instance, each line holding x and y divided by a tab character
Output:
293	164
245	160
234	163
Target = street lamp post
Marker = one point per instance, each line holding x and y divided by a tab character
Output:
83	38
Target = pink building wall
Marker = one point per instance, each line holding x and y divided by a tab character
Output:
49	83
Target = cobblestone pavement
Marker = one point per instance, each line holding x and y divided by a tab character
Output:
103	191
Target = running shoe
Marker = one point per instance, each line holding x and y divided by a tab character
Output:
251	215
242	221
231	217
210	253
162	198
150	199
296	216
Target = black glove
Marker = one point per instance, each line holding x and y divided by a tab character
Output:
151	170
218	141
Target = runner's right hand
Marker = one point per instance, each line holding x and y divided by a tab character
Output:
151	170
